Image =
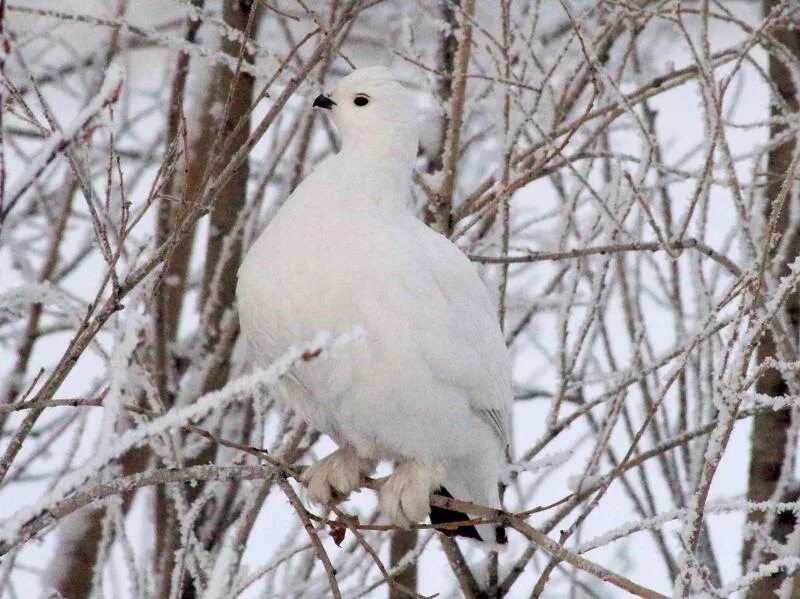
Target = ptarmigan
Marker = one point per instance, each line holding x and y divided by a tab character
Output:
429	388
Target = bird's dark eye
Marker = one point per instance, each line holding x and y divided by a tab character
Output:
361	100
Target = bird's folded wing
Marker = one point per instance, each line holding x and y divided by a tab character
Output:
474	356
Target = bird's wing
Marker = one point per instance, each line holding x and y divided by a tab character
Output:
498	419
475	357
390	274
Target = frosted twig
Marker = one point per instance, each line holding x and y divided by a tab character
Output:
60	141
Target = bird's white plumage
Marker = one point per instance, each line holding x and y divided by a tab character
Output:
430	385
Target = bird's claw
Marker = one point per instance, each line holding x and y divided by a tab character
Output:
334	477
405	495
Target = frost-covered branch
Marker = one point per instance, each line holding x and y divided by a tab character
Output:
623	176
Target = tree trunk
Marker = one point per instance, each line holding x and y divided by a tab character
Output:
402	542
770	434
234	92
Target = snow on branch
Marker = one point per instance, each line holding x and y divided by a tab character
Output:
235	391
59	141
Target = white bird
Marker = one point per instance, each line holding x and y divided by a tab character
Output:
429	388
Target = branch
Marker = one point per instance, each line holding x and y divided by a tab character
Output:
443	209
552	547
248	472
319	548
57	143
639	246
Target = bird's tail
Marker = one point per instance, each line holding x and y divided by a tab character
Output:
491	533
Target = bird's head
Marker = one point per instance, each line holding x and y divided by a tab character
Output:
372	110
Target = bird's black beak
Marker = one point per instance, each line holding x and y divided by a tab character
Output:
324	101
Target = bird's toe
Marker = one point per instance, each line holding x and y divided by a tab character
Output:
344	476
391	503
333	478
317	487
405	496
415	502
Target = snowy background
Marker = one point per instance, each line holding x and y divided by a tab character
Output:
610	182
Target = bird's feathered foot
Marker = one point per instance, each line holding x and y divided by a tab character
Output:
405	496
334	477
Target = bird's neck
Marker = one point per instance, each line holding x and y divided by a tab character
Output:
380	173
396	152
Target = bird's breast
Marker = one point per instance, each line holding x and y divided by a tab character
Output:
318	271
